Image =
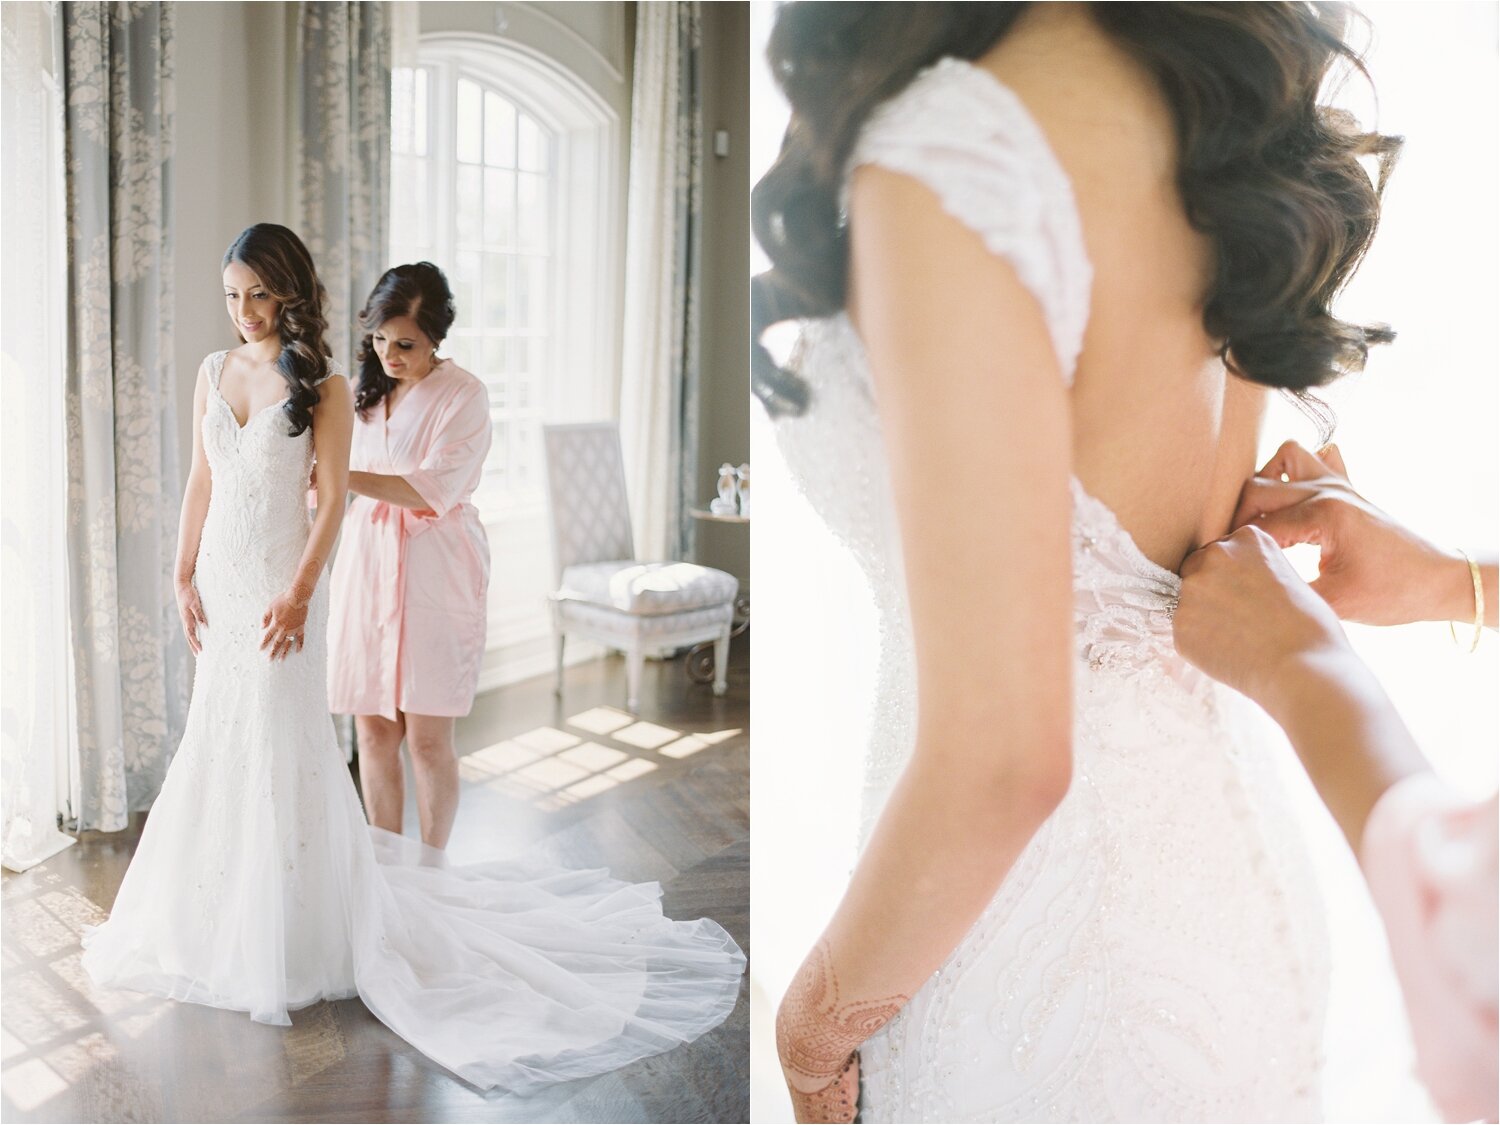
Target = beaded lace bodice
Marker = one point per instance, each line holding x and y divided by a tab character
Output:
259	496
1156	953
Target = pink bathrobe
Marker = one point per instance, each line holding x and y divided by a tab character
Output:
1430	857
406	627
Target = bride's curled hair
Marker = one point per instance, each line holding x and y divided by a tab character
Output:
286	269
1269	174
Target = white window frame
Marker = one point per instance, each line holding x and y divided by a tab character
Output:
581	375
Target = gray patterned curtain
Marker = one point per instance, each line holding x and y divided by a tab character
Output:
130	659
343	167
344	154
663	278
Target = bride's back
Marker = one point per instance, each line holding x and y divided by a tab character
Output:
1161	432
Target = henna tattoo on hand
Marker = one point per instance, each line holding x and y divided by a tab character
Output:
816	1035
301	592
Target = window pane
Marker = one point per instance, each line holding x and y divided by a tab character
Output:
401	108
500	453
411	210
496	292
461	348
469	215
494	362
533	145
499	207
499	131
468	133
403	199
531	217
536	369
522	307
419	112
422	203
524	453
531	294
466	287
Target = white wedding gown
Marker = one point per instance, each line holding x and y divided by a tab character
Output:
258	885
1157	951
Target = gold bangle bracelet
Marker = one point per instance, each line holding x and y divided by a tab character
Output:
1478	604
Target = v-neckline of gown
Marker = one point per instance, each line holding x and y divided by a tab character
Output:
254	414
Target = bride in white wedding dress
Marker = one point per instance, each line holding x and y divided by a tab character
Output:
257	884
1046	260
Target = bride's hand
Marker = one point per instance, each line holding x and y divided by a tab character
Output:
285	623
1245	617
190	609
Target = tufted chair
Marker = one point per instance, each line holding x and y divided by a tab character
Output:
603	594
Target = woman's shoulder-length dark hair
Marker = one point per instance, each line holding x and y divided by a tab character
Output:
418	290
1269	174
282	262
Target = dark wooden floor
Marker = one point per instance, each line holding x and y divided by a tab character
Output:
664	798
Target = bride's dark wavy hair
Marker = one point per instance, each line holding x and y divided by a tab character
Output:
1269	174
286	269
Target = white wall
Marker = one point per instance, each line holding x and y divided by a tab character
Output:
724	427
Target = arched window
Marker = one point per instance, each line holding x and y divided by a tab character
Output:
500	247
504	172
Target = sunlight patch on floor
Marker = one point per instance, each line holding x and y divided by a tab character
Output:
551	773
551	768
593	757
30	1084
634	768
601	720
548	740
648	736
495	761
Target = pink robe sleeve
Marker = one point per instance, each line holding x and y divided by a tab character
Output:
1430	858
454	460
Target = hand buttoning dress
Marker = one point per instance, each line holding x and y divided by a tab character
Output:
258	886
1157	952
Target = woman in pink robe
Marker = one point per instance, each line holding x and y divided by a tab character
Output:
407	623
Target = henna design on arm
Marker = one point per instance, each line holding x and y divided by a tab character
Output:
816	1037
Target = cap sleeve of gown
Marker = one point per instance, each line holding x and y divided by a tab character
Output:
968	138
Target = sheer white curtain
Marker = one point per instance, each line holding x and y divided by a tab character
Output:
35	733
659	379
